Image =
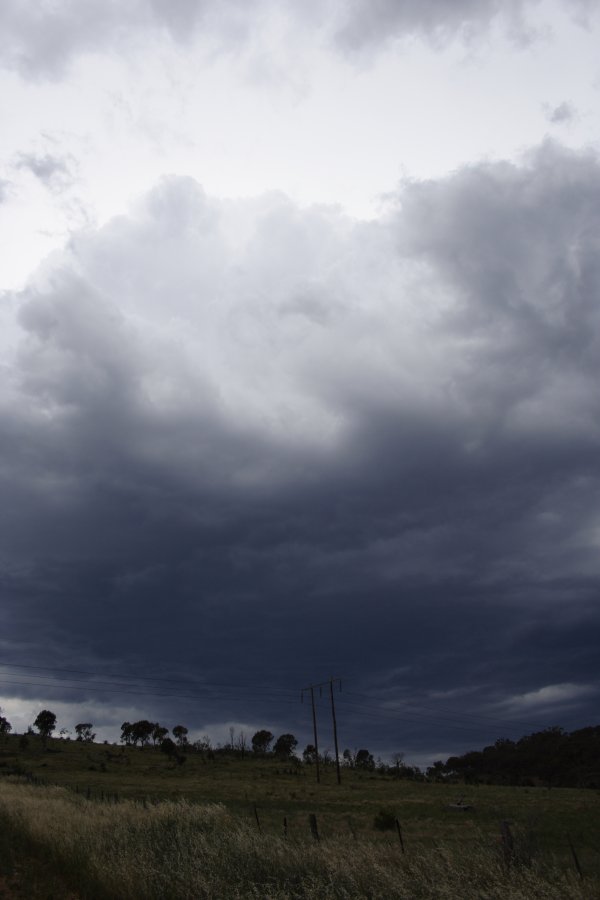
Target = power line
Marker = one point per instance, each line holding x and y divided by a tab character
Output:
212	684
102	690
267	693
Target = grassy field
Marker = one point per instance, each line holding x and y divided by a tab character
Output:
208	813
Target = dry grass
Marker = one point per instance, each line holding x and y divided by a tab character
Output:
182	850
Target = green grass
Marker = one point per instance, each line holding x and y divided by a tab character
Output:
542	820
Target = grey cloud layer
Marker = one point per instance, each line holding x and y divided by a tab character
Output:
39	39
225	421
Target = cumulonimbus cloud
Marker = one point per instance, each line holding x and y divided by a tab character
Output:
249	407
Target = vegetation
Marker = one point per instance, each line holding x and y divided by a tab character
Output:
5	726
84	732
553	757
45	723
186	819
176	849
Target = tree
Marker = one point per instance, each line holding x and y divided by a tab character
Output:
127	733
5	726
261	741
349	757
159	733
285	745
180	734
84	732
398	759
45	723
168	747
309	754
437	770
364	760
241	744
142	731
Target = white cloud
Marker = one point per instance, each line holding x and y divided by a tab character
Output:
551	696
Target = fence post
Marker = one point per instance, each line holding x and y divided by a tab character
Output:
313	826
399	830
285	826
508	843
574	855
257	819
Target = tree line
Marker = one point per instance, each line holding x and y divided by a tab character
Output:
554	757
144	732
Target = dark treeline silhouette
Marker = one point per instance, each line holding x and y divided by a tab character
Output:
553	757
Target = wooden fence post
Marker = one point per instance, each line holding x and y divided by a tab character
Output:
257	819
508	843
574	855
399	830
313	826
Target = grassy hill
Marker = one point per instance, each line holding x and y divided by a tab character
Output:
544	824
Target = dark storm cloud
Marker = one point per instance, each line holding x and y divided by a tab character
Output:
244	443
40	39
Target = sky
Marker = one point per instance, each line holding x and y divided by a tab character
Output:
300	347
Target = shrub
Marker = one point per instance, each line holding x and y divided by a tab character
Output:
385	820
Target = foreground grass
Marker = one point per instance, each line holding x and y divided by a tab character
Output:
176	849
545	819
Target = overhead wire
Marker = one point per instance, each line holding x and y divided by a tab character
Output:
214	691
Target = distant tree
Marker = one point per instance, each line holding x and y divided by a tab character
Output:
364	760
204	746
5	726
127	733
309	754
169	747
437	771
241	744
84	732
285	745
398	759
141	732
349	757
45	723
261	741
159	733
180	734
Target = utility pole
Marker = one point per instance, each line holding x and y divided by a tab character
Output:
311	688
331	682
335	737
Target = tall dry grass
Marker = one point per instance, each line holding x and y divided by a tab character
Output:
180	850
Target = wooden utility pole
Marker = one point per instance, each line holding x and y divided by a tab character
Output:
311	688
314	718
335	737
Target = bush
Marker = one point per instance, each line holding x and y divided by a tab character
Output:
385	820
